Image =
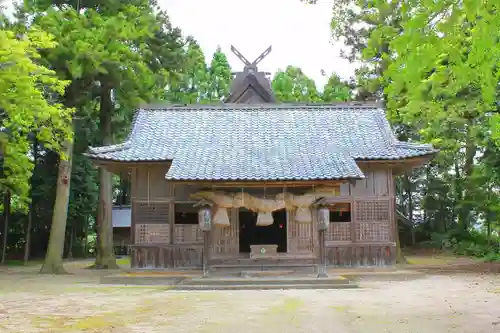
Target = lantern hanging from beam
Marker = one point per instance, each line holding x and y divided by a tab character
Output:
323	218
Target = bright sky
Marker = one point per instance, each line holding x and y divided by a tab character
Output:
299	33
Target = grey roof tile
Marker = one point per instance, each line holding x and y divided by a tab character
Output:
282	141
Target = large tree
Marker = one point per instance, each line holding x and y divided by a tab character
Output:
219	76
292	85
447	65
336	90
28	105
29	110
106	50
192	85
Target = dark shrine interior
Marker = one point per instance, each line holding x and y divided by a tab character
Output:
251	234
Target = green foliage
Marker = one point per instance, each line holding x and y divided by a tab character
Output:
336	90
27	99
219	77
192	85
435	65
292	85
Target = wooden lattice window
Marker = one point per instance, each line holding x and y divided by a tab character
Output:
185	233
152	212
185	213
339	228
340	212
339	231
372	211
373	231
152	233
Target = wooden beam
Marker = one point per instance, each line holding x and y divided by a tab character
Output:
296	183
126	167
240	56
262	55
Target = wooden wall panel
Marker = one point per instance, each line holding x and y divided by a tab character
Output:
376	184
187	234
152	233
381	183
225	240
361	255
151	212
182	192
149	182
167	256
373	220
338	231
358	189
300	236
345	189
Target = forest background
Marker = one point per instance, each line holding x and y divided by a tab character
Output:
73	72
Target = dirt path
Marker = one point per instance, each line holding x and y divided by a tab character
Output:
433	304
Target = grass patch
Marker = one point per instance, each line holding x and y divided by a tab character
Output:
430	260
17	263
123	261
96	323
340	308
289	305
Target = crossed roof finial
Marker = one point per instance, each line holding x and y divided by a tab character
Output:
256	61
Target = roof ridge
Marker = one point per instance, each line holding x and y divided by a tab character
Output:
305	106
414	145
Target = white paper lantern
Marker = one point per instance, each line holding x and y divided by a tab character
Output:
323	218
205	218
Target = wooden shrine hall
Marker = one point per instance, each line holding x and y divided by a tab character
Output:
253	181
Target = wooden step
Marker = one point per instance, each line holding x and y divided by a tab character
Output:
263	261
264	287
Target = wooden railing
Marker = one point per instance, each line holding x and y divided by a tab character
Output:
361	254
166	256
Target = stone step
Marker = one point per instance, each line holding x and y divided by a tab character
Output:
263	262
238	270
260	286
141	280
278	281
266	273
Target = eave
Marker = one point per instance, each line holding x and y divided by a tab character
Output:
265	183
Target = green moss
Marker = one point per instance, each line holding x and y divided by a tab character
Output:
429	260
95	323
124	261
289	305
340	308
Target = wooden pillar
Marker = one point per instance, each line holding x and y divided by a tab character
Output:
323	222
205	225
206	246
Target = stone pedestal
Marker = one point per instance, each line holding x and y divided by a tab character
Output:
263	251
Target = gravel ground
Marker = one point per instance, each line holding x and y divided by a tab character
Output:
432	304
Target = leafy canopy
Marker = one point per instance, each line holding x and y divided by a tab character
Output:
28	94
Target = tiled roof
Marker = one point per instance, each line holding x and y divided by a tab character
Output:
261	142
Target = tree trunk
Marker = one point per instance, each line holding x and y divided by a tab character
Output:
30	208
28	237
70	244
6	215
468	168
86	237
105	256
409	212
400	258
53	263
